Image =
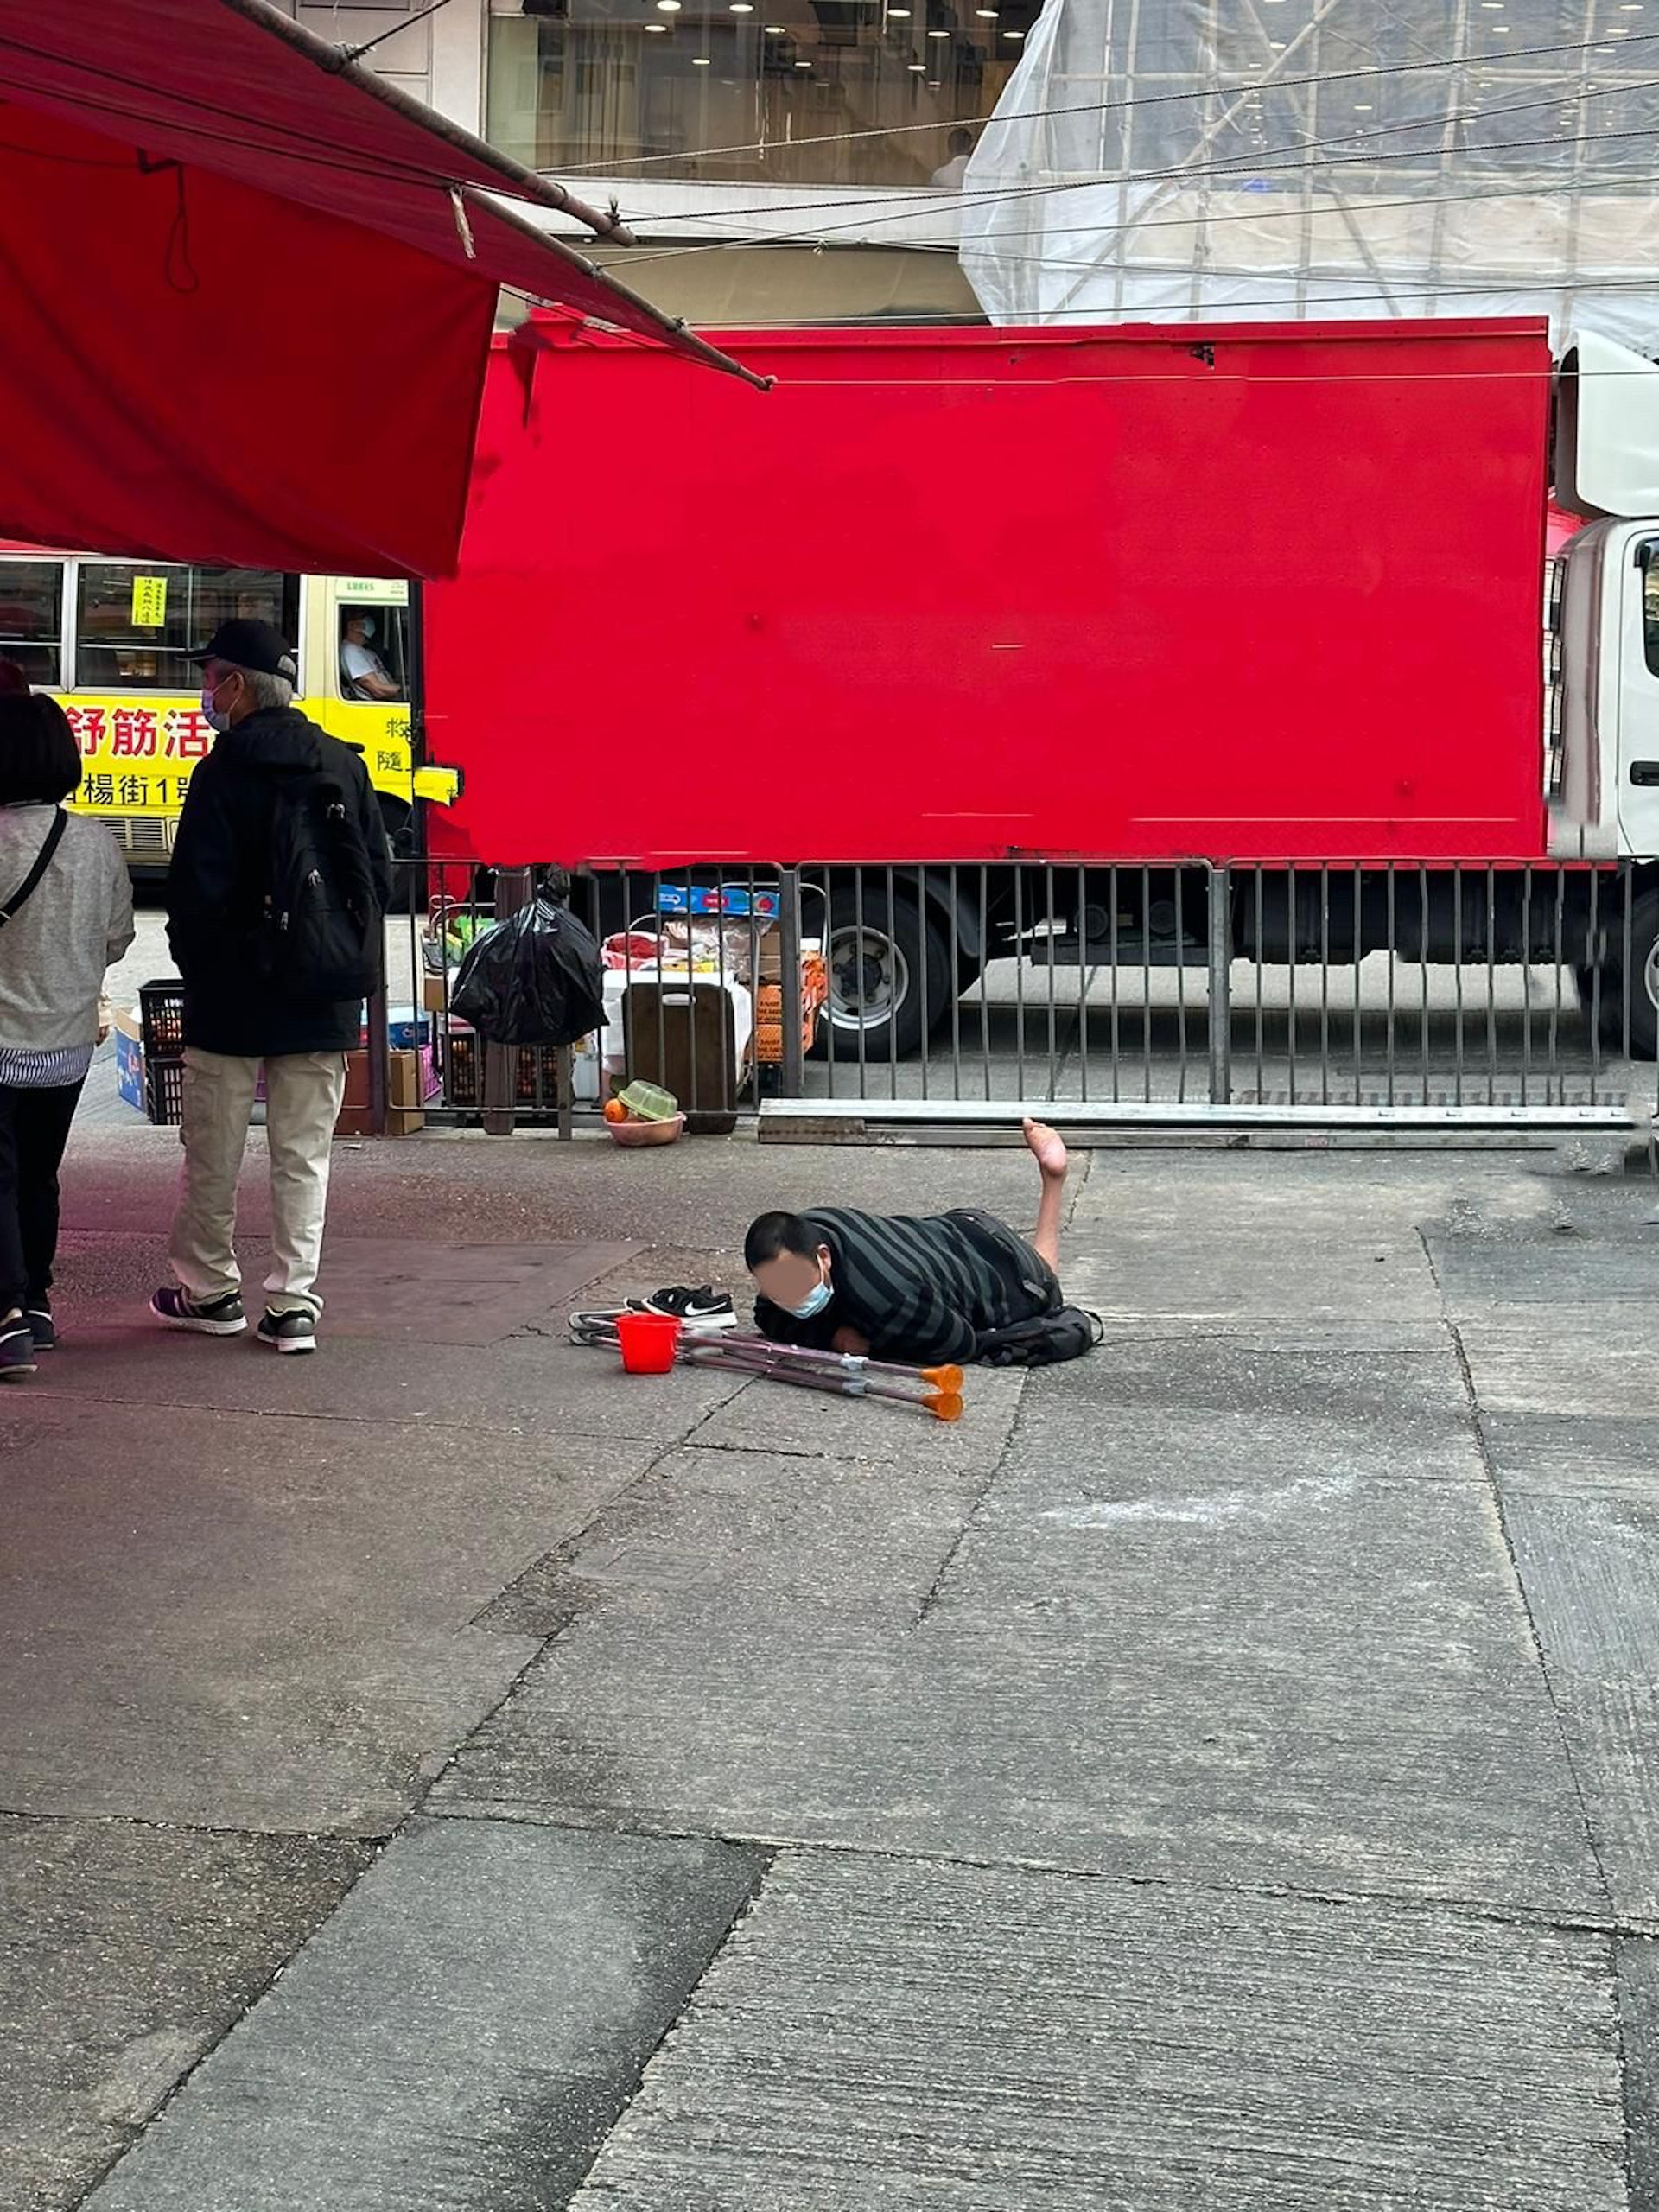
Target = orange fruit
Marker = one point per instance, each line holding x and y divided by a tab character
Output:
615	1110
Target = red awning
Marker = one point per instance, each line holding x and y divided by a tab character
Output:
247	298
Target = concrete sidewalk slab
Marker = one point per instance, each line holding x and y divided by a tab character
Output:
1550	1263
1590	1361
1415	1393
1021	2041
782	1418
1371	1719
534	1385
754	1534
125	1954
463	2032
1590	1567
420	1293
404	1289
261	1625
1569	1453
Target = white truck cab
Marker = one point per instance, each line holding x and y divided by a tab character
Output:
1603	742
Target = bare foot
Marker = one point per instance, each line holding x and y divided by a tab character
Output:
1047	1148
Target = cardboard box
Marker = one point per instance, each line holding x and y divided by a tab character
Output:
411	1079
129	1056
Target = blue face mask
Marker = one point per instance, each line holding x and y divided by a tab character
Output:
818	1299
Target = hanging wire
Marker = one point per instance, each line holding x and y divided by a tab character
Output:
822	233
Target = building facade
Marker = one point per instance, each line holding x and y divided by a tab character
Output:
785	160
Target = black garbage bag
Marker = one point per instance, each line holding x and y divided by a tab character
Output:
536	978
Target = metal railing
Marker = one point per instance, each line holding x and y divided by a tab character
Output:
1388	996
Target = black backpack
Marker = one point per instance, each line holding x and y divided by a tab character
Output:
1067	1334
320	934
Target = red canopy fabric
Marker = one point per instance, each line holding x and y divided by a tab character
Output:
247	303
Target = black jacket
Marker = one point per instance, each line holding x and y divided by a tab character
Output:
220	873
922	1290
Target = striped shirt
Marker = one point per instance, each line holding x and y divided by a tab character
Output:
922	1289
22	1070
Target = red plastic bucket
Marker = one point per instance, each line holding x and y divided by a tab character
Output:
648	1342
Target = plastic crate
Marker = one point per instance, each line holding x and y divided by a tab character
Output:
161	1015
462	1062
164	1091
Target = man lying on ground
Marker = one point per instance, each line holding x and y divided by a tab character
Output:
922	1292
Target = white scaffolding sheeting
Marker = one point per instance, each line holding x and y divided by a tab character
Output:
1287	159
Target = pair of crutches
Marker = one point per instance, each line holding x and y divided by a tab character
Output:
936	1391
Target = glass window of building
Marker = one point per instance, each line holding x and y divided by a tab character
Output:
763	91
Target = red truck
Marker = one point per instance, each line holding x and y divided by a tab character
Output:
1258	595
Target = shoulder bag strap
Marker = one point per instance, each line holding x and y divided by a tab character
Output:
43	862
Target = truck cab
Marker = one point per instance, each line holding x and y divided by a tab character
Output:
1602	698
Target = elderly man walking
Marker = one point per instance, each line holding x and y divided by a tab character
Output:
279	881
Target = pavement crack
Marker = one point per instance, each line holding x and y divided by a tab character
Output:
1495	1487
1483	1911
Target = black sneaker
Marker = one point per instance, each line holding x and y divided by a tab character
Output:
217	1317
17	1351
42	1327
288	1332
705	1308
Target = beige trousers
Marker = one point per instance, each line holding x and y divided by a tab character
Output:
302	1097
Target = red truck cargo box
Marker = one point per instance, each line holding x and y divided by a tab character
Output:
1270	592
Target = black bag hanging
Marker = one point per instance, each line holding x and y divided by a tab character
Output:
536	978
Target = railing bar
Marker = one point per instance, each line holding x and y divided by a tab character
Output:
1146	965
1457	972
893	1002
1359	962
1324	983
1393	972
1555	1082
1491	985
1020	983
984	1003
1082	984
1293	941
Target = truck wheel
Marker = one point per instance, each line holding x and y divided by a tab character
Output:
881	954
1643	988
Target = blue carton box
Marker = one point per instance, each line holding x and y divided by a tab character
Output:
129	1060
408	1028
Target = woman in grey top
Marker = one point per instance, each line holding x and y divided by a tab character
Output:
55	943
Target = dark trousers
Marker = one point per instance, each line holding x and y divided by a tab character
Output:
33	1130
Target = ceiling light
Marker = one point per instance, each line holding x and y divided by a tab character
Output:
938	34
802	64
1361	107
987	15
898	15
661	29
700	62
742	7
